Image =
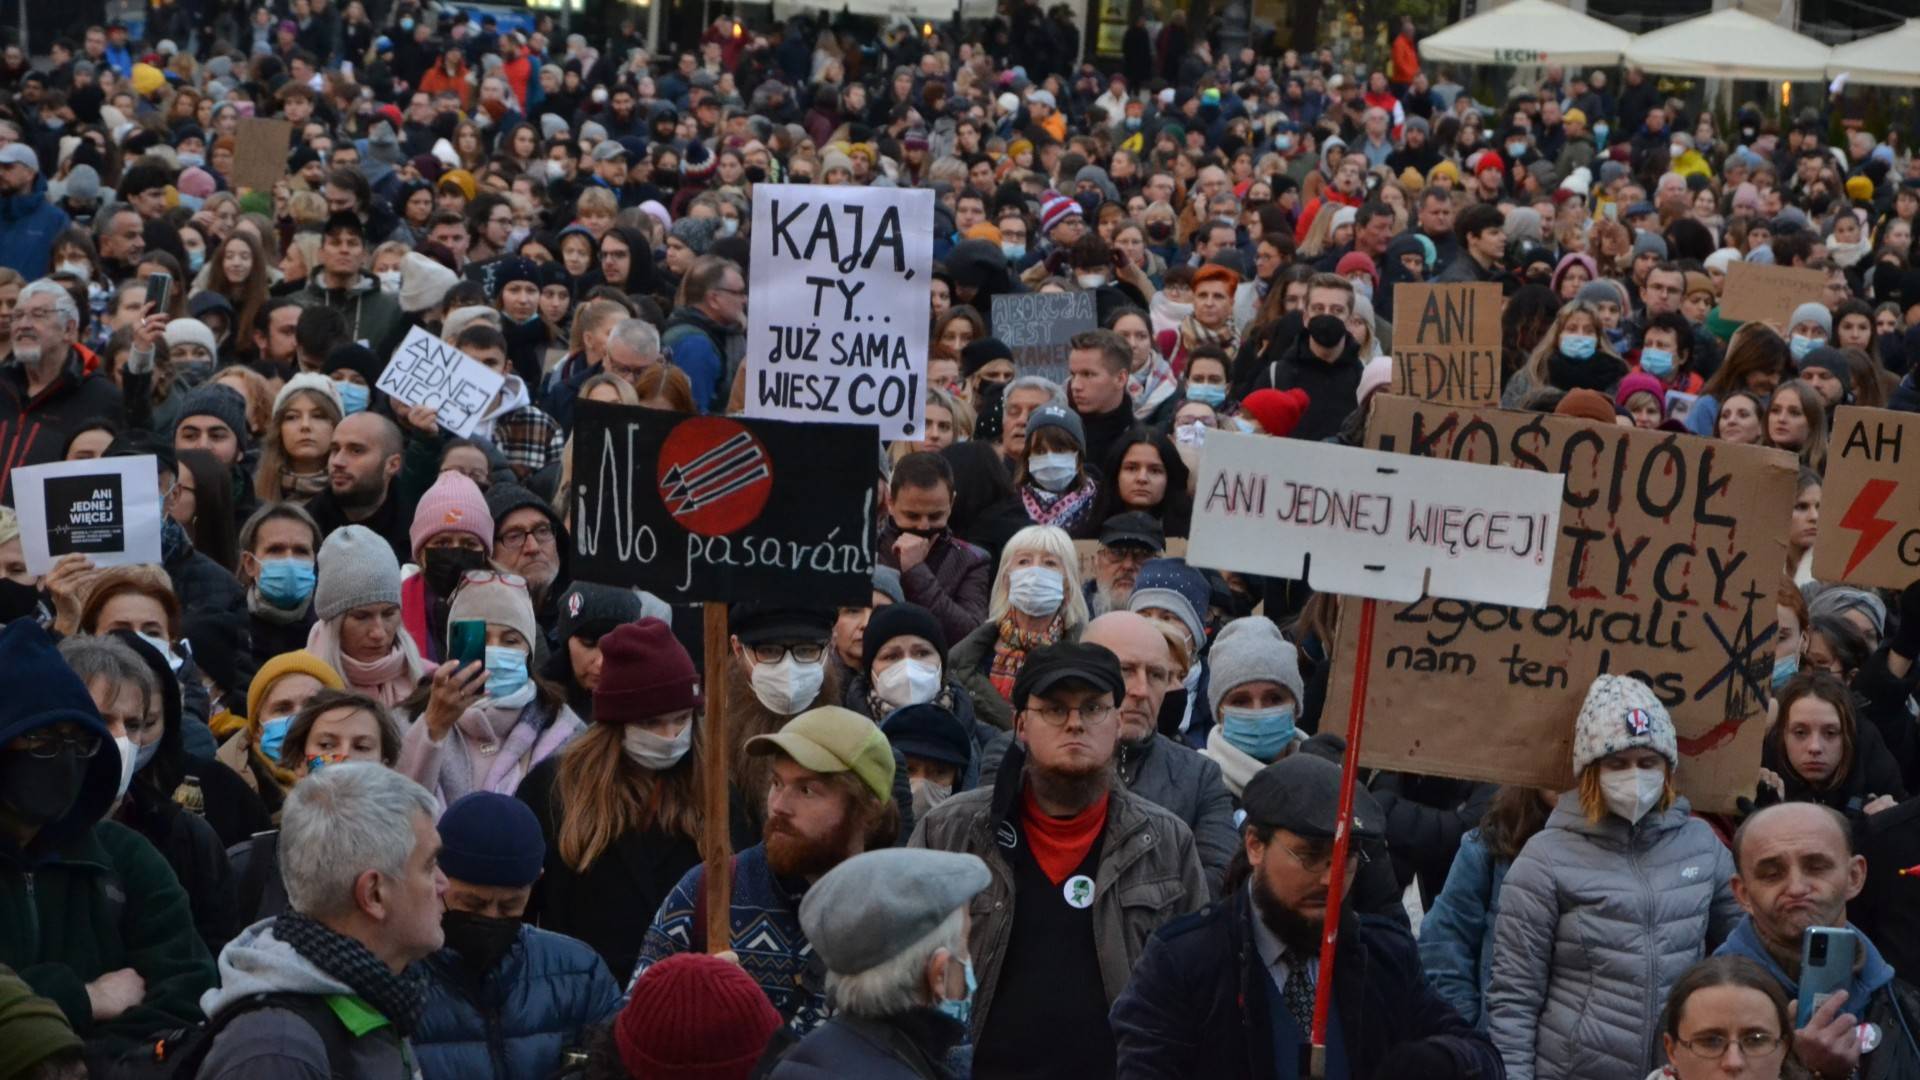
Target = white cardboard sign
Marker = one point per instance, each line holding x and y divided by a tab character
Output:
107	509
427	371
1389	526
838	318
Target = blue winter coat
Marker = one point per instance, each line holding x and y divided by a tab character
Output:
28	224
1456	937
517	1024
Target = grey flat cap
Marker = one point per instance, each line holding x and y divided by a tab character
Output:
871	907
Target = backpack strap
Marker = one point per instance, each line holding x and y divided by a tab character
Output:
184	1056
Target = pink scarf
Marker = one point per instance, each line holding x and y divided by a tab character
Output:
383	680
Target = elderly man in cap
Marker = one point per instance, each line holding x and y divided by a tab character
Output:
892	929
830	796
1083	872
1229	992
1127	542
28	222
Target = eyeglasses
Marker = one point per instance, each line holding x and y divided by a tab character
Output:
39	314
46	743
805	653
1127	556
482	577
1319	864
1054	714
541	533
1712	1046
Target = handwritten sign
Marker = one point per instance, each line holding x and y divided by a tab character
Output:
260	146
1870	529
1036	327
1376	524
841	286
1669	555
107	509
696	508
1757	292
427	371
1447	346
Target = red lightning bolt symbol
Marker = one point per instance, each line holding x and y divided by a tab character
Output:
1864	517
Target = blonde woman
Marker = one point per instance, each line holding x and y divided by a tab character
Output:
1036	601
1573	354
293	453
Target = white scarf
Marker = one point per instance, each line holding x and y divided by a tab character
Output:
1236	765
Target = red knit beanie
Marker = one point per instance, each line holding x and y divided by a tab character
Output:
1278	411
644	672
694	1017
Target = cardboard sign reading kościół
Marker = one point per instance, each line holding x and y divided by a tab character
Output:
837	326
1668	561
427	371
698	508
1388	526
1756	292
1870	500
1446	343
1036	328
107	509
260	146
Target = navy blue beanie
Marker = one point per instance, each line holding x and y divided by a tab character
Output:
491	839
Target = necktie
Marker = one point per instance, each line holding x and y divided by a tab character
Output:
1299	994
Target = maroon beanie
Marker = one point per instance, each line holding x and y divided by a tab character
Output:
694	1017
644	672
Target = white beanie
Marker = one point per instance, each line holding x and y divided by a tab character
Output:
423	283
460	318
191	332
1622	714
313	383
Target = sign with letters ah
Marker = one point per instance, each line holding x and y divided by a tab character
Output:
697	508
1870	500
838	319
1666	567
427	371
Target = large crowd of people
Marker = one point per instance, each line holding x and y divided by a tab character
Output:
361	780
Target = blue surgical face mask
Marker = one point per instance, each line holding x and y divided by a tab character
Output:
1516	149
286	583
273	732
962	1010
145	755
192	161
1012	251
1283	143
353	396
1600	133
1656	362
1578	346
1801	345
1133	124
506	671
196	259
1207	393
1784	669
1261	734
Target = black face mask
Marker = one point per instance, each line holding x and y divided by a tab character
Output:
1325	330
444	567
1159	230
40	791
17	600
480	940
989	392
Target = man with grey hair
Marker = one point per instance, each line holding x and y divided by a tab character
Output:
891	927
632	348
701	332
47	392
28	222
328	989
1023	396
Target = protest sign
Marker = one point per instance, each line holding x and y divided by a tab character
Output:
722	508
260	153
1036	328
1088	552
1446	345
1376	524
1756	292
837	330
107	509
1679	404
427	371
1670	552
1870	500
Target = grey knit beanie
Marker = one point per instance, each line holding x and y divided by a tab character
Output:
1815	312
222	403
696	233
1648	240
1252	650
356	568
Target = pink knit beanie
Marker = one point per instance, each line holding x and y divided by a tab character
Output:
452	504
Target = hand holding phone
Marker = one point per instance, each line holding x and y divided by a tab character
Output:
1826	967
159	288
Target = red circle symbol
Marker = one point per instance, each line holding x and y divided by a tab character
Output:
715	477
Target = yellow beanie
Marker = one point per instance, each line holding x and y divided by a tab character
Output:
147	80
297	662
1859	189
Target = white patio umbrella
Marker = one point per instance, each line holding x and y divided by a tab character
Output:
1730	44
1528	32
1889	59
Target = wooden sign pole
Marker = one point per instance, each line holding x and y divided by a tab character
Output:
716	842
1342	838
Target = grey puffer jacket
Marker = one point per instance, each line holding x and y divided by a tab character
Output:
1597	921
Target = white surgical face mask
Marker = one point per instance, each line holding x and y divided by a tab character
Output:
165	648
1630	793
908	682
1090	281
77	269
1053	471
656	752
927	795
129	761
389	282
789	686
1036	590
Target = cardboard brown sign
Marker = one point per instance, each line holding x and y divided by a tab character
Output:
1758	293
1669	555
1870	527
1447	343
1089	554
260	153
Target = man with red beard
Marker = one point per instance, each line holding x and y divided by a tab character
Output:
830	798
1084	871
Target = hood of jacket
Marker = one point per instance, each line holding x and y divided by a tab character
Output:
55	695
256	962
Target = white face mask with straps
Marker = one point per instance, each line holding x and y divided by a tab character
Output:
656	752
908	682
789	686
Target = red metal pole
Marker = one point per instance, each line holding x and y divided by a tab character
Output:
1337	882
